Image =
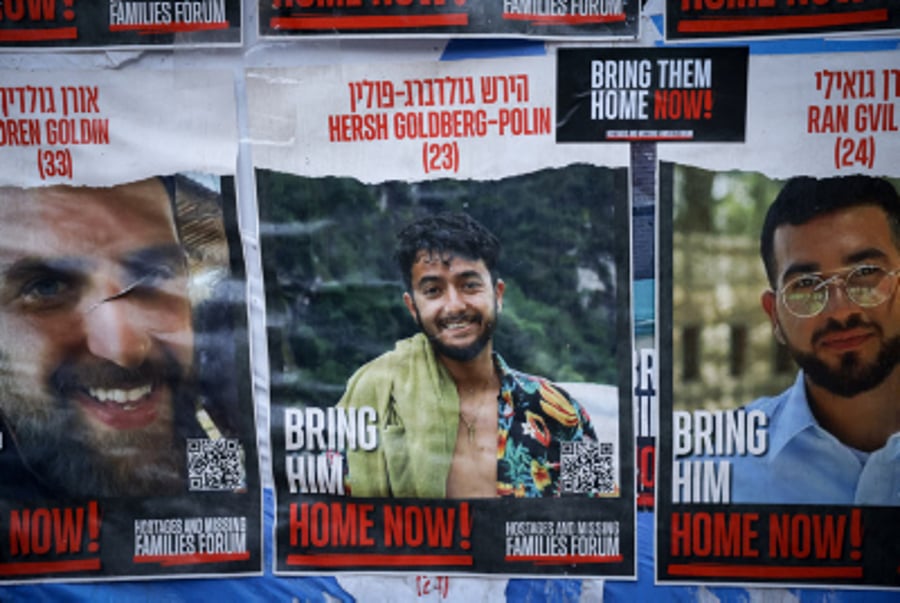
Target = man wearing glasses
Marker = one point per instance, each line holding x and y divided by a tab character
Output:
831	249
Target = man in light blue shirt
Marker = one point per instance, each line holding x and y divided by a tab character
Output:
831	248
805	463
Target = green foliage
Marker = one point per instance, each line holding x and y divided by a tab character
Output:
730	203
334	293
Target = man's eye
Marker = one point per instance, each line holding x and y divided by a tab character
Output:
806	283
472	285
863	271
430	291
45	292
155	277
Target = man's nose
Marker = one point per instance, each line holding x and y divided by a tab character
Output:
839	303
454	299
114	332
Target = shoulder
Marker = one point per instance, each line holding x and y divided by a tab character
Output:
541	395
381	372
404	350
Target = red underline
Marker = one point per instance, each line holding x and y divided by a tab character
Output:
35	35
355	560
740	24
763	571
47	567
565	19
369	22
564	559
161	28
193	559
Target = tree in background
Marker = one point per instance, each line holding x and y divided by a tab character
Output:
333	291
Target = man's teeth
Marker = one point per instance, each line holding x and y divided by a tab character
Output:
456	325
119	396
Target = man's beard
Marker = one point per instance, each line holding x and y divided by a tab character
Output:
467	352
851	377
72	457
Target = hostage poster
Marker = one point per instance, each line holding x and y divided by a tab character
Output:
705	19
127	431
780	451
564	19
447	310
67	24
643	96
647	95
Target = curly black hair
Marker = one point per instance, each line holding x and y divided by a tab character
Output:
447	235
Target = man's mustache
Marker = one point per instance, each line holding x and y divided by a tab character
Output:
475	317
76	376
855	321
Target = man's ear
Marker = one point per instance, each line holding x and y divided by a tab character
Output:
410	305
499	288
769	303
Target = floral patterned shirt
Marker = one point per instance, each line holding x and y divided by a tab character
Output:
535	417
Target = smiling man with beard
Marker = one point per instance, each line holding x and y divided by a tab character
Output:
96	342
831	249
453	419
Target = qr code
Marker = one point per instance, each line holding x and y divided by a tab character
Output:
215	465
587	468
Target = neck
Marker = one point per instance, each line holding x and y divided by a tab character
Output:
473	375
866	420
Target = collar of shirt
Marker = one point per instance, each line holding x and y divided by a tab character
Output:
795	418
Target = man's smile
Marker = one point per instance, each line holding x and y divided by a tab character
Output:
846	341
123	397
459	323
122	408
848	337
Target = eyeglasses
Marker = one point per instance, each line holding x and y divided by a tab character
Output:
866	286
